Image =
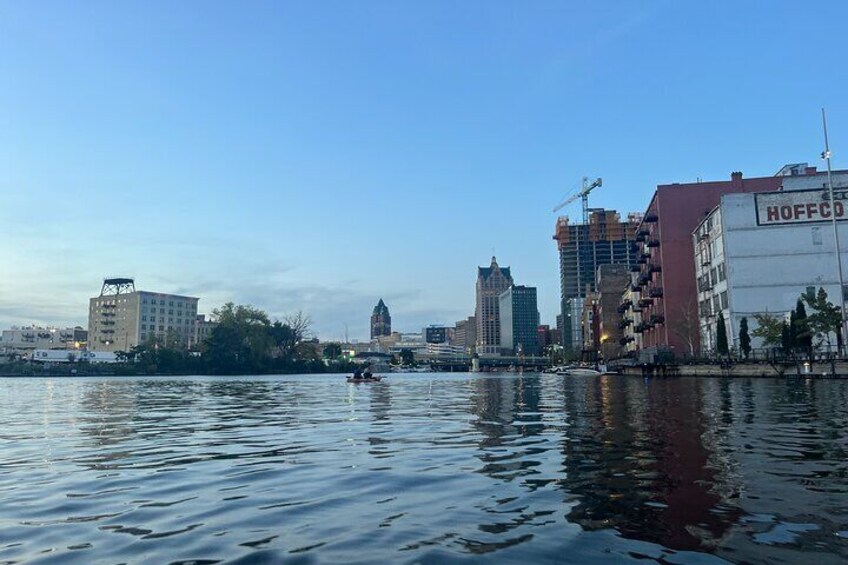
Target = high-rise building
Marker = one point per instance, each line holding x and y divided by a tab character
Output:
122	317
519	321
605	240
491	282
381	321
465	334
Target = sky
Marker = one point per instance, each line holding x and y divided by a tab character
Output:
317	156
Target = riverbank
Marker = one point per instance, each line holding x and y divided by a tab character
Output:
837	370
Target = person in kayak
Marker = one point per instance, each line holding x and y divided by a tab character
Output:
357	374
367	373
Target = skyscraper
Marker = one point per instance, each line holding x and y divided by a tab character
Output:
381	321
582	249
491	282
519	320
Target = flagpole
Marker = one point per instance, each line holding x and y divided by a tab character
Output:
826	156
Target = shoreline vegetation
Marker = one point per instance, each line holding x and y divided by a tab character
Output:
244	342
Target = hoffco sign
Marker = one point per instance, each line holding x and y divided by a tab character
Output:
800	206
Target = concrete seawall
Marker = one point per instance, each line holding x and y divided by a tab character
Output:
816	370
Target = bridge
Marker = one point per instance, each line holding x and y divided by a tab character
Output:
459	363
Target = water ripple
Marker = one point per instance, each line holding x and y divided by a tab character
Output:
423	469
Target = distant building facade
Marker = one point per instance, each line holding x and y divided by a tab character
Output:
381	321
611	283
465	334
436	334
22	341
122	318
203	329
491	282
519	321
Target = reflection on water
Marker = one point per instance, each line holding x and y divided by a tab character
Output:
424	468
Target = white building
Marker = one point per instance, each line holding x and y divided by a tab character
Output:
25	340
122	318
759	252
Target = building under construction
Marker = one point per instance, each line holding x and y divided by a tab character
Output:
605	239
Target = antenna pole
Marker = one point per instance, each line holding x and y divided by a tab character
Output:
826	156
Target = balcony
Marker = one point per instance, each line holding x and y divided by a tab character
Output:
651	218
655	268
656	292
644	232
657	319
625	322
645	302
652	243
644	279
640	237
635	268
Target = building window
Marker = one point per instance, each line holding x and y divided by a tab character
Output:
721	273
161	310
817	237
724	300
161	328
144	326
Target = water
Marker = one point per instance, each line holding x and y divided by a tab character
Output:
424	469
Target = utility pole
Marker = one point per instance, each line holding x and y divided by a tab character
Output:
826	156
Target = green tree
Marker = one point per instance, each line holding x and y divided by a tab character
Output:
770	329
332	351
826	318
406	357
803	335
721	336
744	338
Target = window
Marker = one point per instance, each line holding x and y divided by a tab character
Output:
171	311
170	303
724	300
161	328
817	237
161	310
721	273
144	326
144	318
143	337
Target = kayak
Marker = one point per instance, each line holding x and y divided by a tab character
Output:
364	380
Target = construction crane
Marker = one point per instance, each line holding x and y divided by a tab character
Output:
583	195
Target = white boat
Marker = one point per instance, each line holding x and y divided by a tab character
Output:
579	372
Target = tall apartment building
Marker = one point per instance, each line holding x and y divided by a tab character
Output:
519	321
491	282
582	249
381	321
122	317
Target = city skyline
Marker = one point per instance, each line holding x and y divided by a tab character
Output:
243	161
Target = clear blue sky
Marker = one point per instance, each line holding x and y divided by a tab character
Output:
317	156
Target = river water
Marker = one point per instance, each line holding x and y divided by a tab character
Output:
426	468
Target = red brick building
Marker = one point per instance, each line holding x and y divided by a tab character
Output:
666	276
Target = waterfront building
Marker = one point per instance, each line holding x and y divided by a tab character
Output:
381	321
519	321
465	334
23	341
666	282
582	249
611	282
491	282
590	329
122	317
759	252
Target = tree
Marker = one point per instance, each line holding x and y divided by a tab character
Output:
407	357
332	351
744	338
770	329
803	335
721	336
826	318
687	325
